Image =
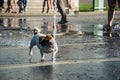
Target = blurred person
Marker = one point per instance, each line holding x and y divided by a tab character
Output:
62	12
9	6
45	2
19	3
67	6
13	6
111	12
24	4
1	5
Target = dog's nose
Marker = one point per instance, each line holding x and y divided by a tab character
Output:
51	46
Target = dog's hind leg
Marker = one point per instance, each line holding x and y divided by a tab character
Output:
32	44
30	54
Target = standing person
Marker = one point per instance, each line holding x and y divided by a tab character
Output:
62	12
1	5
9	6
13	6
24	4
19	3
45	2
111	12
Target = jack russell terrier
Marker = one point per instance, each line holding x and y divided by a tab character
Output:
45	43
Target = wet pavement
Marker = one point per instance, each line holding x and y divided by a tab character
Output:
85	51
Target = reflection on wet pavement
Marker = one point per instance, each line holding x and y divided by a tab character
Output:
15	31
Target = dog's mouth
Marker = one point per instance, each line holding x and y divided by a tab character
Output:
47	43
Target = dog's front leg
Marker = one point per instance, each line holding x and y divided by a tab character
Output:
53	56
42	55
55	50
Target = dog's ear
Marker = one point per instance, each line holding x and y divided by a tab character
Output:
49	37
41	38
52	35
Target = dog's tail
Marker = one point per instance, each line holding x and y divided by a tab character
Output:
36	31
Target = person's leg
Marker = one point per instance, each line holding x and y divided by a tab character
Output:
44	2
66	6
20	7
0	5
111	11
24	5
119	4
63	18
47	6
50	4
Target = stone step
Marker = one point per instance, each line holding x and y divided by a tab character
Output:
33	6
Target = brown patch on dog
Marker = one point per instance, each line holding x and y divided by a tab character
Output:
42	37
46	40
49	37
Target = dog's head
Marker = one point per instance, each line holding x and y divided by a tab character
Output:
47	42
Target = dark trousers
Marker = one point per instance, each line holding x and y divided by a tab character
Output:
9	6
44	3
1	3
61	11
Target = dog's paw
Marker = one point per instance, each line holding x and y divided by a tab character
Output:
42	60
53	59
30	59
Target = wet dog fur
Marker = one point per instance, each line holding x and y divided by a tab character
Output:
42	41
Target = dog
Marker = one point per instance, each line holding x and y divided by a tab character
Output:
45	43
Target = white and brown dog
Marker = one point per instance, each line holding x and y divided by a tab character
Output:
45	43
